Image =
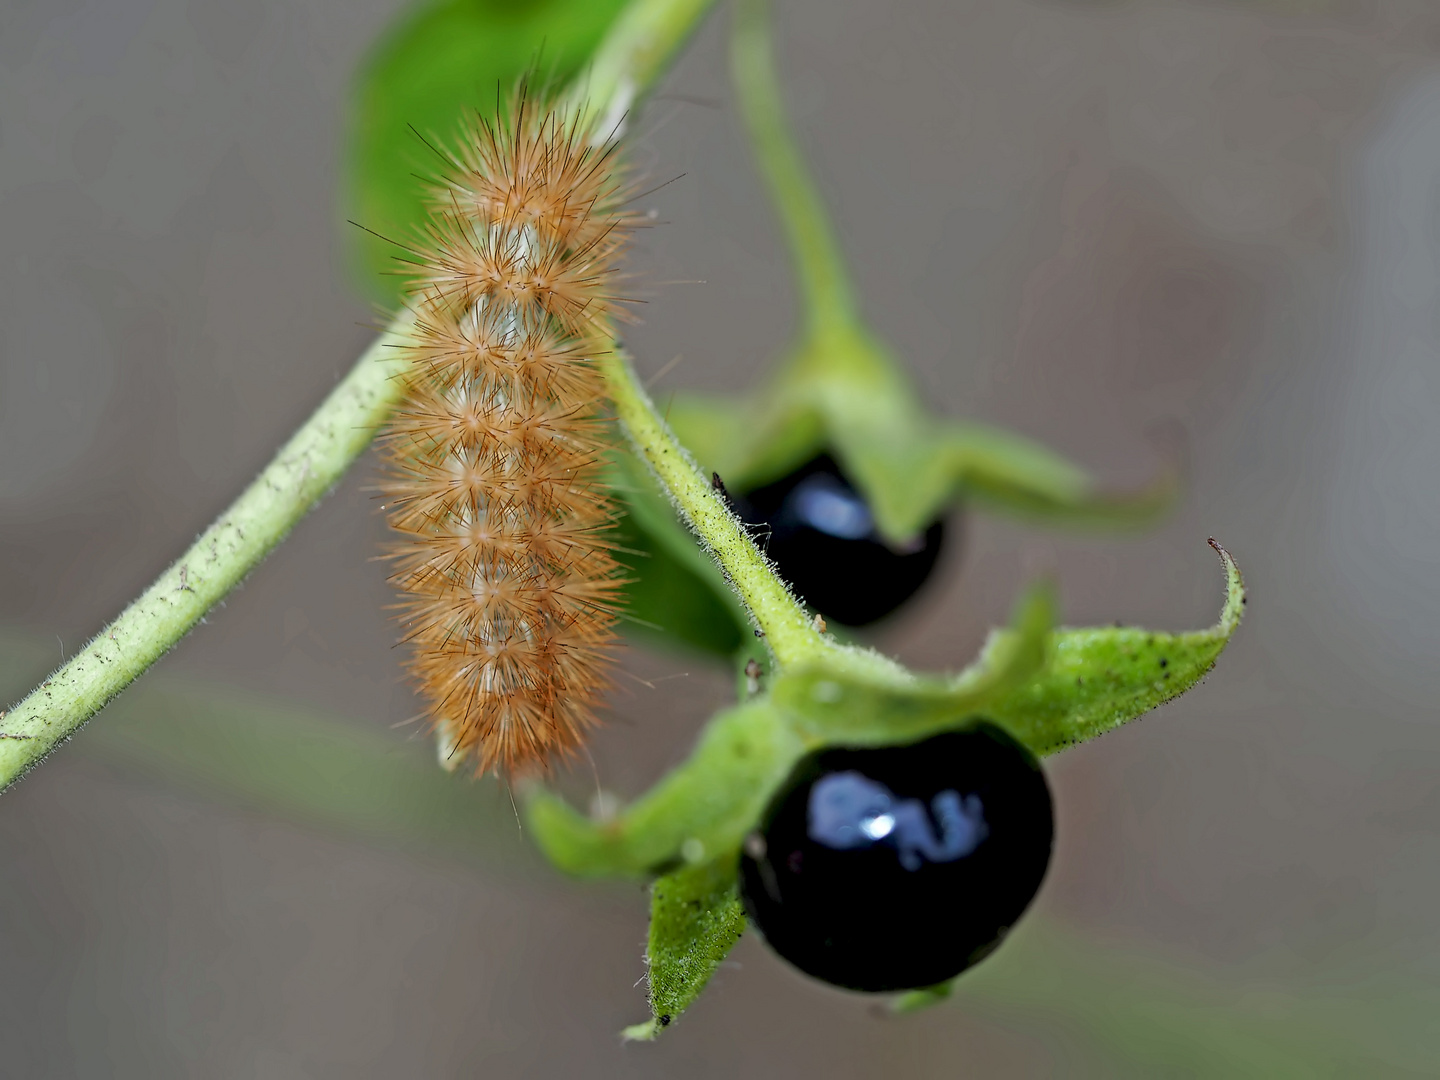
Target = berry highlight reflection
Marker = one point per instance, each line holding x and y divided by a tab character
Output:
898	867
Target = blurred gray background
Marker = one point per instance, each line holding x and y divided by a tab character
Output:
1117	227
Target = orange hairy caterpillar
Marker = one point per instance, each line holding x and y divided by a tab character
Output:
504	564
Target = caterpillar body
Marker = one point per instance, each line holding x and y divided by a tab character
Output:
503	561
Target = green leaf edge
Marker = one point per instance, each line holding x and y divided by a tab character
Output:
695	919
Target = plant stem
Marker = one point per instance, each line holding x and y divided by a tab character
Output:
635	51
787	629
307	467
632	56
829	298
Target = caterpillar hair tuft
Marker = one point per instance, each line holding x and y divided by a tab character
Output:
509	588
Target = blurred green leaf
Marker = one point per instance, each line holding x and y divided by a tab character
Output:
676	595
439	60
695	919
845	396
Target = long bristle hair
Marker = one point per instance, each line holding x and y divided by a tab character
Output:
493	481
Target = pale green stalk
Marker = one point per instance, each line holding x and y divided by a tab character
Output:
633	55
826	292
307	467
636	52
788	631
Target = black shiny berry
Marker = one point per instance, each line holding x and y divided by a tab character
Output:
819	532
897	867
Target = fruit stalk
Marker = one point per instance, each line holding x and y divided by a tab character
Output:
779	619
